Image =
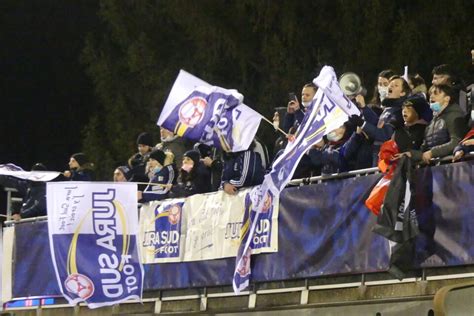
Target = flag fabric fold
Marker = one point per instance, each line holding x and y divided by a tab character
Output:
329	109
17	172
209	114
397	220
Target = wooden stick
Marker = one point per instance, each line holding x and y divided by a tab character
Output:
278	128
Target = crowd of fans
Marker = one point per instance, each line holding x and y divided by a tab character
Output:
424	123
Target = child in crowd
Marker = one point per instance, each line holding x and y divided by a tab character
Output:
416	115
162	178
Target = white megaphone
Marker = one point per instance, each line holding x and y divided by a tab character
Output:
351	85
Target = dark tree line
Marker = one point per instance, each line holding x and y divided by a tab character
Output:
263	48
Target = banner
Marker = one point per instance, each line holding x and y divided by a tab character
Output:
324	230
17	172
201	227
328	110
93	239
209	114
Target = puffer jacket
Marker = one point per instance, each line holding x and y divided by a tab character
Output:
443	133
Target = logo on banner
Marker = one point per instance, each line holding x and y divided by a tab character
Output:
114	271
167	234
262	236
80	285
192	111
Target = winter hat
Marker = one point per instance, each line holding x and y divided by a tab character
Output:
145	139
421	107
194	155
158	155
204	150
38	167
81	158
126	171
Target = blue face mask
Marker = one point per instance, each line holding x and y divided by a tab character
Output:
435	107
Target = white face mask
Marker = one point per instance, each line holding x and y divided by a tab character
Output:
383	92
333	136
306	104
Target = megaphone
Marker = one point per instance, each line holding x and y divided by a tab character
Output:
351	85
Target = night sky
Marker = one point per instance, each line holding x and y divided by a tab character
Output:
46	95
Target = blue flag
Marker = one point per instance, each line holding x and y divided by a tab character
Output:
329	109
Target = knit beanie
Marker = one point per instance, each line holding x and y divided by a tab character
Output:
158	155
126	171
145	139
81	158
193	155
204	150
421	107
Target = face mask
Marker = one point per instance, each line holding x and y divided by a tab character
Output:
306	104
187	167
383	92
157	169
333	136
435	107
472	115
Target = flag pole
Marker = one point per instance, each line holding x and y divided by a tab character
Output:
277	128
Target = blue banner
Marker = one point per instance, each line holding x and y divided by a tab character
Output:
318	237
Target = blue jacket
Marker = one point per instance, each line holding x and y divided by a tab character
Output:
293	120
353	154
243	169
156	189
381	128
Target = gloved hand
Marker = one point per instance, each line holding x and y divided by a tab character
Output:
356	120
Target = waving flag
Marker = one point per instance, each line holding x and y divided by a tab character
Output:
17	172
93	239
329	109
208	114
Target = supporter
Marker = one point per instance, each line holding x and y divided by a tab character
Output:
212	160
380	129
295	113
162	178
121	174
33	193
445	74
194	176
467	144
416	115
336	155
447	127
171	142
80	168
241	169
262	150
137	162
417	84
380	90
